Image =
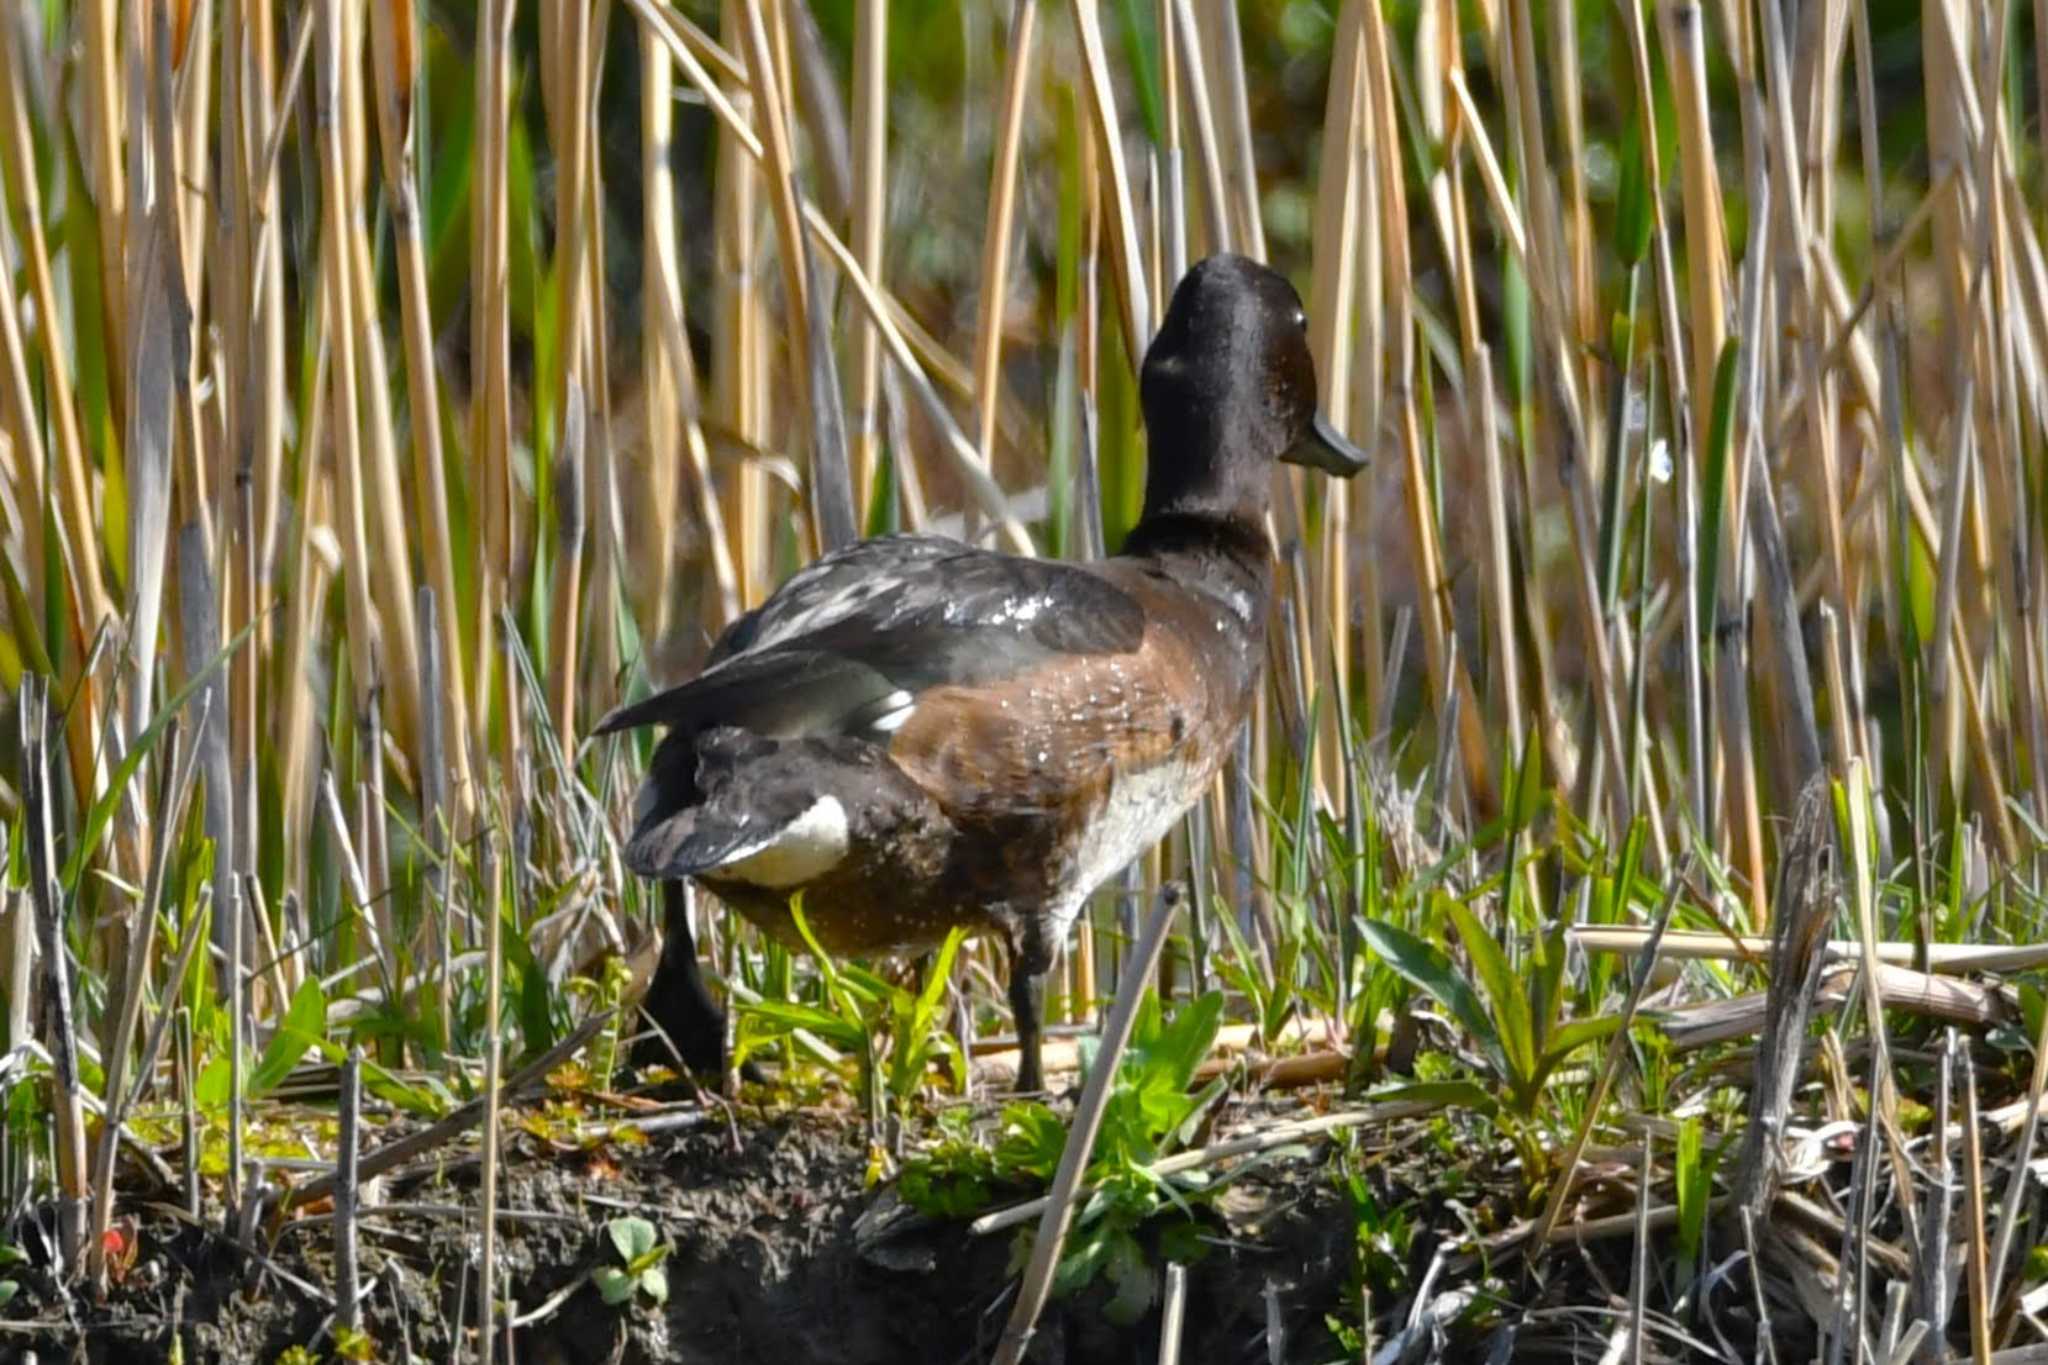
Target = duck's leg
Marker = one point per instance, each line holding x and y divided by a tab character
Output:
1030	956
678	999
1027	999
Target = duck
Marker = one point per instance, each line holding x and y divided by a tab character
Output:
915	734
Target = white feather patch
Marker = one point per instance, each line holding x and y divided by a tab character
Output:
897	707
807	847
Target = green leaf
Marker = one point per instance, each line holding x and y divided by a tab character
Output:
632	1237
1579	1032
8	1289
305	1024
1184	1044
786	1015
117	786
1429	970
1448	1094
654	1283
1506	990
1632	219
1720	440
614	1285
1135	1281
210	1091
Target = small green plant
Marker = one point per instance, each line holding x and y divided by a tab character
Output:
1515	1021
1149	1115
10	1255
353	1343
1693	1178
641	1253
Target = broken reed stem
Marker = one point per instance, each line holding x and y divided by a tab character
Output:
59	1014
1172	1311
1976	1268
347	1193
1036	1285
494	979
1805	901
179	779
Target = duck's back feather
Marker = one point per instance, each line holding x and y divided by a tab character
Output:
850	641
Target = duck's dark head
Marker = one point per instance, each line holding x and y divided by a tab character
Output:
1229	387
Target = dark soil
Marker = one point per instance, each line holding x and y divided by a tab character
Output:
779	1254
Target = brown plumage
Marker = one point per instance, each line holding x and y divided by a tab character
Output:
916	734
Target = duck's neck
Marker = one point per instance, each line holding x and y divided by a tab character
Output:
1230	556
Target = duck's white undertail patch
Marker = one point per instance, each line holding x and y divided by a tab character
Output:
892	711
807	847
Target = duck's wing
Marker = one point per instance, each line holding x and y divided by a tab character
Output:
848	645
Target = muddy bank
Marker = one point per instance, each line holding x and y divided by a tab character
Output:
779	1253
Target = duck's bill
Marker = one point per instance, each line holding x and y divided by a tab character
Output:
1326	448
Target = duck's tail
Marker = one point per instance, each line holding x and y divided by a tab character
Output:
729	804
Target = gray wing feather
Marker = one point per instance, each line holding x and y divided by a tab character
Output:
833	648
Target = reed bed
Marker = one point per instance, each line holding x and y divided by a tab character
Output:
386	391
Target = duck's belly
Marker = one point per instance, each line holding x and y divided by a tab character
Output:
1139	809
853	912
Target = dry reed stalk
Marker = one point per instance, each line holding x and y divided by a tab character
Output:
383	501
264	369
1501	568
1225	55
178	783
1707	272
339	298
104	166
567	61
1805	902
1001	224
315	559
193	99
490	355
1581	302
1195	84
28	465
1171	226
1977	1272
652	580
1391	210
494	977
1797	296
736	320
601	661
1367	388
1127	274
887	314
870	218
59	1000
395	64
347	1192
1333	298
86	589
238	374
571	512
